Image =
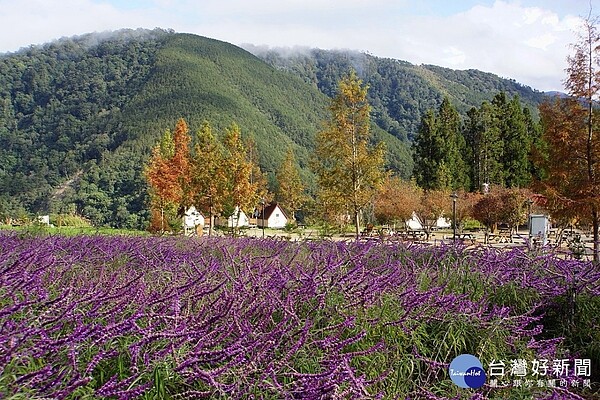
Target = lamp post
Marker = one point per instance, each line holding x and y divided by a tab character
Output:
454	196
262	202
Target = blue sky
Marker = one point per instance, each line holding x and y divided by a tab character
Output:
525	40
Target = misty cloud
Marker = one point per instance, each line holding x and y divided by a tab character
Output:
508	38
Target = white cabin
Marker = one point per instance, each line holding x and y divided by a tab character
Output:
274	217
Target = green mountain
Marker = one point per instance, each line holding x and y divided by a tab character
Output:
79	116
399	92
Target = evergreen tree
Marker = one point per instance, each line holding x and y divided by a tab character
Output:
439	149
500	136
349	169
534	133
428	153
517	142
483	139
455	146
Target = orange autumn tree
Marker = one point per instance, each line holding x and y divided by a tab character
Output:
168	175
241	192
161	184
435	203
570	132
181	164
572	182
488	210
396	200
502	205
465	204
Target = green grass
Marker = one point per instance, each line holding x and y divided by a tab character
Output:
72	230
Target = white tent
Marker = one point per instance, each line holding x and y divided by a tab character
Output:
192	219
238	219
415	225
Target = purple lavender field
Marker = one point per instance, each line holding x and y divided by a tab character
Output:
94	317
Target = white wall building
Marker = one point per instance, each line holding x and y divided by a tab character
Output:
274	217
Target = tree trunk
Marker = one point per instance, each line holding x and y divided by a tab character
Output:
596	226
357	223
162	220
210	220
590	143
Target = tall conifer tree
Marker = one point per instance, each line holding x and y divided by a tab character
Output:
517	142
349	169
439	149
483	139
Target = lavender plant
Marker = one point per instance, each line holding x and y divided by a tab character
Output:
173	318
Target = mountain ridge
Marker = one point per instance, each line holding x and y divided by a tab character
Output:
399	90
98	103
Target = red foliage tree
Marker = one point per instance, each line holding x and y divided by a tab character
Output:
169	176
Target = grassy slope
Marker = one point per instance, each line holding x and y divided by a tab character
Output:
199	78
470	88
204	79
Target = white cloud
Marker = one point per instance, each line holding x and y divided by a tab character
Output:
38	21
526	44
454	56
529	44
541	41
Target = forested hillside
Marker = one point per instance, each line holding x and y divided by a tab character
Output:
61	113
400	92
79	116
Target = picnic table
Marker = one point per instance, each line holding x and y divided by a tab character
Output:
412	235
466	237
503	236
